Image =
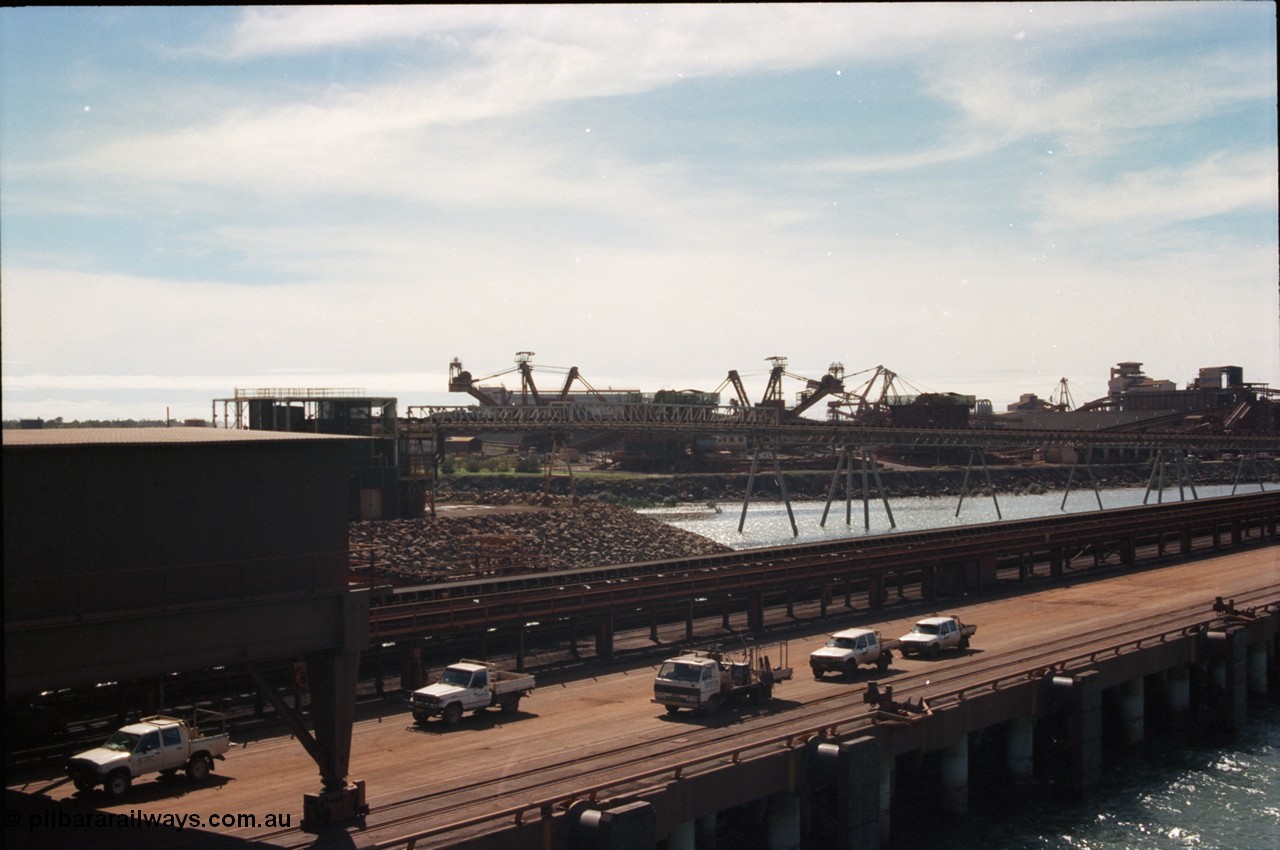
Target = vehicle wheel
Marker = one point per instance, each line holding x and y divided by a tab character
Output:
452	715
964	642
851	669
817	674
117	784
933	650
673	709
168	771
882	663
713	704
510	704
198	768
84	786
766	693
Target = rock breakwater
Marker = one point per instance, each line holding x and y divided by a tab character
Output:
461	543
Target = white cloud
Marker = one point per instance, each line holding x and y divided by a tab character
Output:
1026	95
1157	197
436	204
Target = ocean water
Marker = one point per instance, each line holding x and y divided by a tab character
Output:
1173	795
767	523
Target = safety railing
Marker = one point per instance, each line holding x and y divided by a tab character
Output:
546	807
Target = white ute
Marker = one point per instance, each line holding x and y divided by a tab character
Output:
933	634
848	649
470	686
153	744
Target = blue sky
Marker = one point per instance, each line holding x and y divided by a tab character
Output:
982	198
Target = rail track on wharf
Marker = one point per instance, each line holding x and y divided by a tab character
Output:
1084	559
511	601
475	803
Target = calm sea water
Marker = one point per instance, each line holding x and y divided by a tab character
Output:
1175	796
767	523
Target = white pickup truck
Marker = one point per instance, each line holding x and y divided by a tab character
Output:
848	649
470	686
933	634
157	744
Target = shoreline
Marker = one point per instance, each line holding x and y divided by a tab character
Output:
491	524
649	491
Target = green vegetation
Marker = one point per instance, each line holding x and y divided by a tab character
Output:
497	465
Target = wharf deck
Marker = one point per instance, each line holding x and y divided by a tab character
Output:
598	729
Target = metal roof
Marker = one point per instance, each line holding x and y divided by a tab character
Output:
152	436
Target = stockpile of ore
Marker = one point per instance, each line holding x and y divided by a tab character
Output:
561	536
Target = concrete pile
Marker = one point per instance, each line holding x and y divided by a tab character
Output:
513	541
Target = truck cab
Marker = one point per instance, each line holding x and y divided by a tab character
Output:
690	681
705	680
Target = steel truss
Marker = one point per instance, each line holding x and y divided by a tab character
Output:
768	430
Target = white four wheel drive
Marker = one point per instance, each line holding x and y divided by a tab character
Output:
156	744
933	634
470	686
845	651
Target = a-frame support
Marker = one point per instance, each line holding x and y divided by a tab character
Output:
1093	482
782	488
982	458
1253	465
846	463
1157	477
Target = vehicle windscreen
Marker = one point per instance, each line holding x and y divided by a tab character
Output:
676	672
842	643
123	742
461	678
924	629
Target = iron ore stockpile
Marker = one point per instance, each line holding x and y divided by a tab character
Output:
469	540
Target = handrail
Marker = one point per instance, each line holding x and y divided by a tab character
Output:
790	740
516	599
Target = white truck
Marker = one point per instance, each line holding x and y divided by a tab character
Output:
846	650
705	680
156	744
470	686
933	634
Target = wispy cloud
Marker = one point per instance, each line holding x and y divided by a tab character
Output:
1152	198
656	192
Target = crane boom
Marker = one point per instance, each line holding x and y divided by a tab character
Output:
740	393
460	381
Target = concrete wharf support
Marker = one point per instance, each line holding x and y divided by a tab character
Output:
1052	731
1132	707
1020	749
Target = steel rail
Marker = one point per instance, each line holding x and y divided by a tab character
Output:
777	570
789	741
841	700
1140	515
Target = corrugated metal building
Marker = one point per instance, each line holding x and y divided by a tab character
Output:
134	553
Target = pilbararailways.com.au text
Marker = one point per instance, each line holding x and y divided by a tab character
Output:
135	819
